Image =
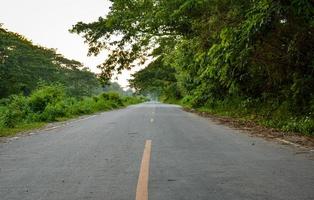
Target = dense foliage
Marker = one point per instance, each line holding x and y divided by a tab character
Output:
37	85
24	65
51	102
156	80
250	57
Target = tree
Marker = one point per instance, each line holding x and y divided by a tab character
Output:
219	49
157	79
23	65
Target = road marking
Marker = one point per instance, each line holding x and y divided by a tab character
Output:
142	184
288	142
152	120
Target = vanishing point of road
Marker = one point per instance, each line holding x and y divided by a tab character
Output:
151	151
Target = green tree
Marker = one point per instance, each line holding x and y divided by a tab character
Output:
23	65
256	53
157	79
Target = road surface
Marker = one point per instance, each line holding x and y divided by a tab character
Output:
151	151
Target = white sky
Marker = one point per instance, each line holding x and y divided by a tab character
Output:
46	22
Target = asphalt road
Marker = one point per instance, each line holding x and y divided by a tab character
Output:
189	158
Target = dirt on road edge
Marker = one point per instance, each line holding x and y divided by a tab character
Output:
254	129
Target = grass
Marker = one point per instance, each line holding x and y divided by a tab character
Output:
6	132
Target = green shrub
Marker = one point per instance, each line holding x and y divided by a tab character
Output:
15	112
113	97
45	95
7	119
4	101
53	111
84	106
102	105
2	111
10	118
187	100
48	103
131	100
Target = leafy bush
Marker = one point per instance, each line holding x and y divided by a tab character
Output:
44	95
53	111
16	111
187	100
49	103
132	100
113	97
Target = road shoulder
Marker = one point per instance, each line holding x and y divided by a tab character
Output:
255	130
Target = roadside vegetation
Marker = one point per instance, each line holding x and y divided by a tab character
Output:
50	103
252	60
38	86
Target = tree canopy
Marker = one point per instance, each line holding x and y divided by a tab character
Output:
24	65
211	51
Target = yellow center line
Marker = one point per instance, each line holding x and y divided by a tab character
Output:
142	184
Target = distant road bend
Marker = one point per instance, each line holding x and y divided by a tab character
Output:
151	151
